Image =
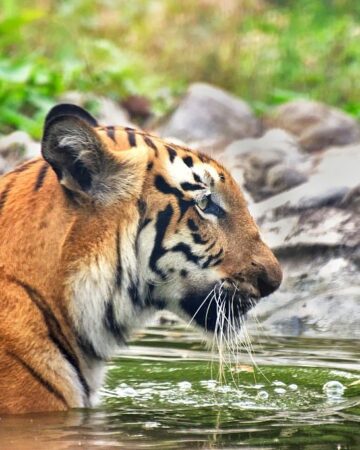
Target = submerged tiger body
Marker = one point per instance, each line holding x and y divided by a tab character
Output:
109	226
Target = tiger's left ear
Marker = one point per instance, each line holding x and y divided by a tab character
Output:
83	163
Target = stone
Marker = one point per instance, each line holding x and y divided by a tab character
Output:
3	165
352	199
314	229
267	165
16	148
317	125
335	174
210	117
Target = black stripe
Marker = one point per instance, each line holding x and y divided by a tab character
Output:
162	222
143	221
87	348
198	239
41	176
4	194
186	250
151	144
163	186
188	161
192	225
112	325
213	260
110	131
118	276
133	290
25	166
210	246
39	378
172	153
131	136
203	158
54	330
191	186
197	178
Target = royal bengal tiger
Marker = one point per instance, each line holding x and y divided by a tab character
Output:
110	225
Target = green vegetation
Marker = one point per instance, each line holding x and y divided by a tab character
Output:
265	51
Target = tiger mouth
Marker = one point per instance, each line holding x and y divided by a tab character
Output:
219	310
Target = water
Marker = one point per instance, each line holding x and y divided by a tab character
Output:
164	392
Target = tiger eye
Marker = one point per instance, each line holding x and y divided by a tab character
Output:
203	202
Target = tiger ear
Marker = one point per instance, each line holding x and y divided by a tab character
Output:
81	160
67	109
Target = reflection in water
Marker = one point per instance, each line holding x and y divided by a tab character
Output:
163	392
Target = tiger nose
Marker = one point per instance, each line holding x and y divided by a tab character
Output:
269	280
266	284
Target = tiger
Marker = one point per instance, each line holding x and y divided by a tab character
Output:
108	226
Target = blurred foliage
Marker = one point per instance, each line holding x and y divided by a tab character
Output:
266	51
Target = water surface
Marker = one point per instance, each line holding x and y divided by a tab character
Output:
164	391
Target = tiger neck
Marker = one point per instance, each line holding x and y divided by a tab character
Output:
107	293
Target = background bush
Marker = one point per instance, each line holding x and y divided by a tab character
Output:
267	52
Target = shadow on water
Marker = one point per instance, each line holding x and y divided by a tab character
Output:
163	392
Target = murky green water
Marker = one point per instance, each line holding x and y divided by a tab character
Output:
163	392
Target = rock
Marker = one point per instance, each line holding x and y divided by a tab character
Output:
320	297
138	107
107	111
15	148
317	125
3	165
210	117
315	231
268	165
334	176
352	199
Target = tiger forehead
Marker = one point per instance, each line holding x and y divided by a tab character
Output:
177	159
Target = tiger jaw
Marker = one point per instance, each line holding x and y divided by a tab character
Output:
216	307
220	310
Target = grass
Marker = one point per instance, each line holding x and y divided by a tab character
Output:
266	52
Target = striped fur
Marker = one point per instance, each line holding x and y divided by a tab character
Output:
109	226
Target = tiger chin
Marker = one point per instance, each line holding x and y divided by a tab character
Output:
110	225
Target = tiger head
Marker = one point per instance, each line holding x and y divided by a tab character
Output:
176	230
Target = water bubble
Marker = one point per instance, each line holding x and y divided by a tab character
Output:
184	385
333	390
280	391
209	384
126	391
278	383
262	395
293	387
151	425
224	389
